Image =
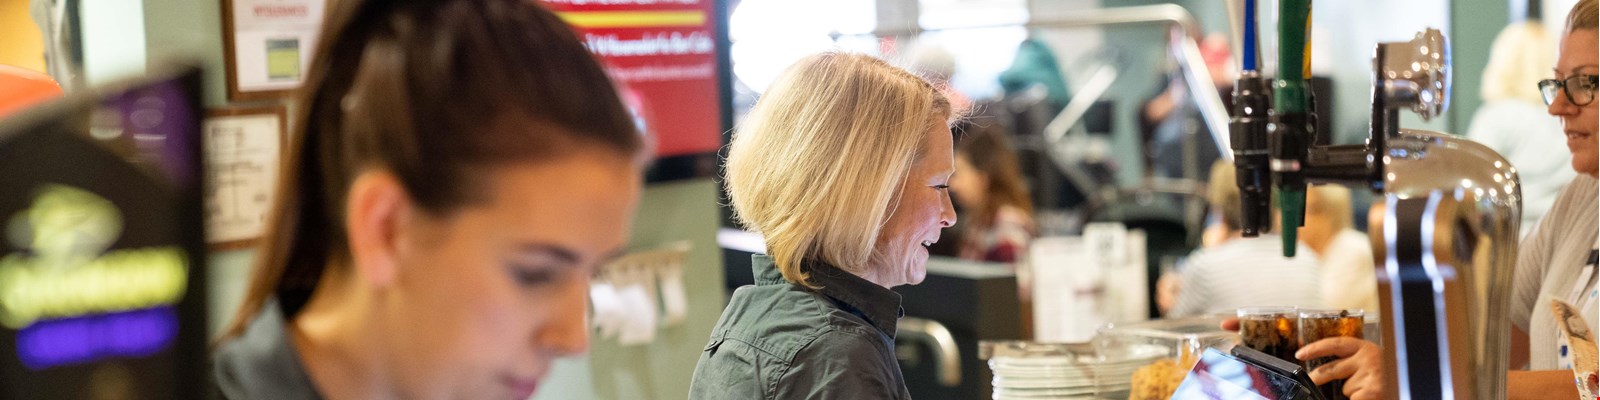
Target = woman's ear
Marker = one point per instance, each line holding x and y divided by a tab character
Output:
375	209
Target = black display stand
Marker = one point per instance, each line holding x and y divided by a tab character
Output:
102	262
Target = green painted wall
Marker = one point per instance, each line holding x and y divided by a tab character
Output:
1477	22
188	30
191	31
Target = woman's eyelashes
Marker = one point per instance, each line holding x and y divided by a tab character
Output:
533	276
540	264
942	187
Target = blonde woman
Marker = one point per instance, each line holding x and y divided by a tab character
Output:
1512	119
989	184
1344	254
843	166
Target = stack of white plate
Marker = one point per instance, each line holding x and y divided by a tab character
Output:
1072	376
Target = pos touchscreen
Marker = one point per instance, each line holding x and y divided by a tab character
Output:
1245	375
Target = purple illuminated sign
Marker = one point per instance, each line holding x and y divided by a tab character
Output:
85	339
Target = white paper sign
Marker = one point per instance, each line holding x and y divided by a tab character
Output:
242	154
609	312
1107	243
1065	286
674	300
1127	289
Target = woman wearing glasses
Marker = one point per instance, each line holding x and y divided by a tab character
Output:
1555	262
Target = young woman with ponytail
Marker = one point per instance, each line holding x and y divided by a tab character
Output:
457	171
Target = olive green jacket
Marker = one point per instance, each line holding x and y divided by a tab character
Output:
778	340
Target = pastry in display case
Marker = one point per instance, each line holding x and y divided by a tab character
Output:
1181	340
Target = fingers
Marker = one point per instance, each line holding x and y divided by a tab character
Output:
1368	393
1359	364
1340	347
1364	386
1340	369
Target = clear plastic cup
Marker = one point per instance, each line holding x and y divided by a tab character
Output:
1271	330
1319	324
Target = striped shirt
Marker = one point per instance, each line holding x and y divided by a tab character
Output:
1349	279
1247	272
1550	263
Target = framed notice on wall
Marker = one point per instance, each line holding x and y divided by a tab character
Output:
243	149
269	45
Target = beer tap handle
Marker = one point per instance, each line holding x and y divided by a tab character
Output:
1252	103
1290	140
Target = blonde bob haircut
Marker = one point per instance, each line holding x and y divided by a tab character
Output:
1521	53
817	165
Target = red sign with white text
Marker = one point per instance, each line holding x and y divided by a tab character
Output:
662	54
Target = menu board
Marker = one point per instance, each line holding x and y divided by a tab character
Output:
663	55
101	246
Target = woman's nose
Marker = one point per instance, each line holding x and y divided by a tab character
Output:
566	332
947	214
1560	106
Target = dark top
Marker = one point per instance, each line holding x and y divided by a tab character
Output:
778	340
261	363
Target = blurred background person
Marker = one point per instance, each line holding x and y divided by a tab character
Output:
1235	272
1512	119
1034	91
1344	255
1167	119
1035	68
997	222
998	215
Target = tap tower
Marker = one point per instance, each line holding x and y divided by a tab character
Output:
1445	245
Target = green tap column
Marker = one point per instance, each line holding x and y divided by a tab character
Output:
1294	57
1289	97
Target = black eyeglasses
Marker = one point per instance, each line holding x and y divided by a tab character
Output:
1579	89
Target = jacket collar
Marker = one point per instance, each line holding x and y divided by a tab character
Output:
876	304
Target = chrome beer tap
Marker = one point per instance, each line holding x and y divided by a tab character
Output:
1445	247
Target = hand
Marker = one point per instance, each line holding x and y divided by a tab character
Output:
1167	288
1360	361
1230	324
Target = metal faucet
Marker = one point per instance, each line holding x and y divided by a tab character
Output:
1449	230
947	362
